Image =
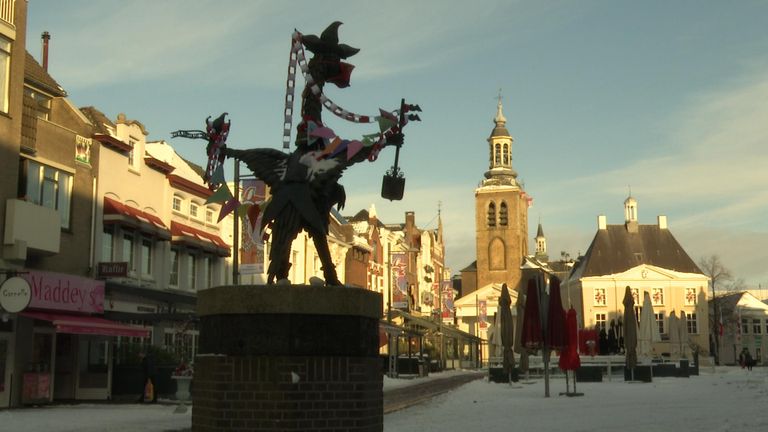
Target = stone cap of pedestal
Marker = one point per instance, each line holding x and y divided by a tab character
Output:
289	299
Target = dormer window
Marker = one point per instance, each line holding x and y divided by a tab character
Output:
176	203
208	216
193	210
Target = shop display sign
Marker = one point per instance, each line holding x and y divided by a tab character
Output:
64	292
15	294
113	269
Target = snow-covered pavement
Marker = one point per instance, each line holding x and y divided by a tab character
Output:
726	399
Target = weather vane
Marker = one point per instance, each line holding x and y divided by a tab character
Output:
304	184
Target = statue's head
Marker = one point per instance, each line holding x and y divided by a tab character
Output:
326	64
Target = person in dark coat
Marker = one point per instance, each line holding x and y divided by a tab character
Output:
149	373
745	359
613	343
602	343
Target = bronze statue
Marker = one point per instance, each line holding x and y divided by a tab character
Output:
304	184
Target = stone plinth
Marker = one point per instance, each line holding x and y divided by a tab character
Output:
288	358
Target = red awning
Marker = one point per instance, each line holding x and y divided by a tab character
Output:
198	238
117	212
87	325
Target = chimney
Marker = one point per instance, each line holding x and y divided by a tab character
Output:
602	223
46	37
662	222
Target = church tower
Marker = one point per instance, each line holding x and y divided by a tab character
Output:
501	213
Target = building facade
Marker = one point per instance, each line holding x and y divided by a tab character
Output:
501	217
648	259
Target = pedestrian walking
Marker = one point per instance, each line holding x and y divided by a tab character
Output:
149	375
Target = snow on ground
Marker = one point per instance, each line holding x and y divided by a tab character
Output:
101	417
728	399
723	399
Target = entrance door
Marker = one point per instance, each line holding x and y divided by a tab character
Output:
6	368
94	367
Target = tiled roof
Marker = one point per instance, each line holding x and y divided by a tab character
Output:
615	249
99	120
35	75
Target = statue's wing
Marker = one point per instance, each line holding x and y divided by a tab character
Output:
266	164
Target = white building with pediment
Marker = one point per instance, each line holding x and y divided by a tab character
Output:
647	258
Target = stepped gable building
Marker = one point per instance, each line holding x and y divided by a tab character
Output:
501	217
647	258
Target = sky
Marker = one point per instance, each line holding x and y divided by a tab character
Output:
724	400
666	99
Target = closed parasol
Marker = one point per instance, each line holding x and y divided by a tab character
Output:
556	337
673	329
531	334
682	326
630	329
518	343
648	330
507	327
569	357
494	338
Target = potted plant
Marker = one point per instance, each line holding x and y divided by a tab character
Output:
183	376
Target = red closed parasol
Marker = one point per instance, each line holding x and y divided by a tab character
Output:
569	358
531	335
556	337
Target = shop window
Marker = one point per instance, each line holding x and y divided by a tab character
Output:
128	250
174	273
48	187
147	248
192	273
108	244
209	267
93	371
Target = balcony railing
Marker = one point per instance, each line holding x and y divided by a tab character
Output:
6	10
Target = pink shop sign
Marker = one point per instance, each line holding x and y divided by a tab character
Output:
63	292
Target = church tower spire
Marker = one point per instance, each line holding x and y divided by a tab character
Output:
500	170
501	216
541	245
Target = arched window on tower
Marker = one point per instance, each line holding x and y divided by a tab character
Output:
492	215
497	159
506	154
503	214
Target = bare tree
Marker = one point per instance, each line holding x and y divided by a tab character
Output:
712	266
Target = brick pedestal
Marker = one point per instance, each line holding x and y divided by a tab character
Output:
296	358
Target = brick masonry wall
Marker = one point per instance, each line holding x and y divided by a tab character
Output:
247	393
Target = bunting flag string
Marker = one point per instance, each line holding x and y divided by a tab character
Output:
297	58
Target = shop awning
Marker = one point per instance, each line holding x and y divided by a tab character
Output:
87	325
117	212
193	237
